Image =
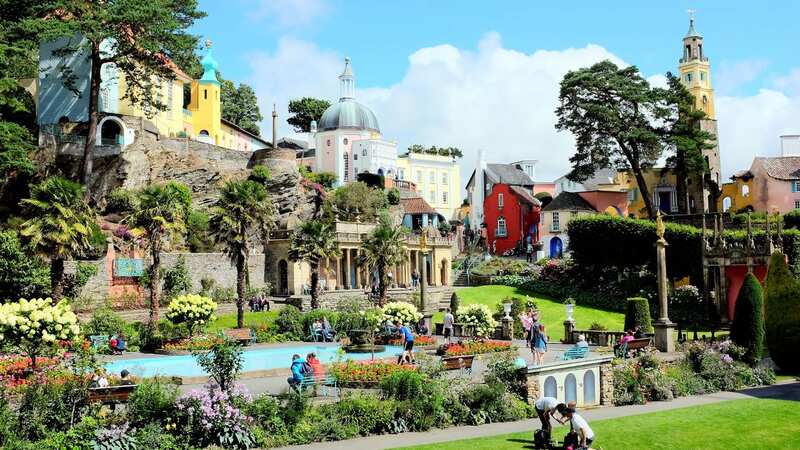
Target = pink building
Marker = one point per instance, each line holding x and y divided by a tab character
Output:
776	183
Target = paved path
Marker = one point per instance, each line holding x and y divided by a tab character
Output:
787	391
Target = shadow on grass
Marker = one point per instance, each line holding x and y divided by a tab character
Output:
788	391
529	442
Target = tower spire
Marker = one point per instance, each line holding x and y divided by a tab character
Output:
347	82
274	126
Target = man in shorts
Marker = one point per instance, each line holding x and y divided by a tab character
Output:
408	343
449	320
545	407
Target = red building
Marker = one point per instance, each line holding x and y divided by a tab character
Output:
510	211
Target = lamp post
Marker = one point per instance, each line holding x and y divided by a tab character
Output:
424	250
663	326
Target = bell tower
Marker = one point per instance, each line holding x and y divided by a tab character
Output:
695	70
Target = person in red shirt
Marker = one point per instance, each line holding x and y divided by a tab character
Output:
112	343
319	370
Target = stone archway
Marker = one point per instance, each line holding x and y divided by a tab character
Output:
570	389
111	130
589	393
551	387
444	271
283	277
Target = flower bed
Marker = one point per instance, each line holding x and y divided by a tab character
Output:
15	369
419	341
195	343
476	347
361	373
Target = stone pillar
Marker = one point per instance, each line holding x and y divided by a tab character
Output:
606	385
534	390
339	281
663	326
347	281
508	328
569	326
358	270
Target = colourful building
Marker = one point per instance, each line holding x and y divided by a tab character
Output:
567	205
437	179
201	119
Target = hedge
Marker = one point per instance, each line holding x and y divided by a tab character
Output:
561	290
637	314
748	320
606	241
782	315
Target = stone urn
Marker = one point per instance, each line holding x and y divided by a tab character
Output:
570	309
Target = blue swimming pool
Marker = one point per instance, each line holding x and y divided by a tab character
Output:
257	359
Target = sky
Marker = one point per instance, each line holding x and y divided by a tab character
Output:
484	75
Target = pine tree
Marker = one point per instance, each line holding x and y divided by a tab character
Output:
748	320
782	314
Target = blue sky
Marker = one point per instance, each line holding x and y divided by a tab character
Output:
287	48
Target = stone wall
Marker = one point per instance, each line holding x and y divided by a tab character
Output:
330	299
607	385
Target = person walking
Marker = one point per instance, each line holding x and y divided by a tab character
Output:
529	251
538	343
408	343
414	278
449	320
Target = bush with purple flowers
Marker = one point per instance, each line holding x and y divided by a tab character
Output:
210	417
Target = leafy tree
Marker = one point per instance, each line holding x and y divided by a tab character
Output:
614	115
384	249
686	139
145	37
305	110
223	363
176	279
20	275
240	106
357	201
312	242
60	226
544	197
748	319
160	212
393	196
241	215
782	314
198	238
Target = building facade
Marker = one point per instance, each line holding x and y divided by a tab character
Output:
567	205
61	102
437	179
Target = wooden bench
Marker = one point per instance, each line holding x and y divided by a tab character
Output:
575	353
111	394
461	363
326	381
624	350
242	335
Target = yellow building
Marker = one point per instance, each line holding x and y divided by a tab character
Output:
737	195
437	178
202	120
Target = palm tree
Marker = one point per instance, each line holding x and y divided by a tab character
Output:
60	227
312	242
241	214
383	248
160	213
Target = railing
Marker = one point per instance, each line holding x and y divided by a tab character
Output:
595	337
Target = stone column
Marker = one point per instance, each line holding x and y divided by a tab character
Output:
606	385
358	270
569	326
663	326
534	390
348	283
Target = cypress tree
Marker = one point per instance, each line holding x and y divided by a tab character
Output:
747	329
637	313
782	314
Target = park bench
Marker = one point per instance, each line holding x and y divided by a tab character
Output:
634	345
326	381
99	340
241	335
111	394
575	353
461	363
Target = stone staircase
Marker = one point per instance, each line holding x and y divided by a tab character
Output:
460	279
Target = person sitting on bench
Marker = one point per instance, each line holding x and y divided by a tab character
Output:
298	372
627	337
581	342
316	331
638	333
125	378
580	426
545	407
119	344
328	333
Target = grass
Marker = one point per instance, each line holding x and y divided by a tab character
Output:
252	319
551	312
730	425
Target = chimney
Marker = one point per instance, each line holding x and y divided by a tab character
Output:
790	145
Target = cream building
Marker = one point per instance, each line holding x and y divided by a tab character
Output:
437	178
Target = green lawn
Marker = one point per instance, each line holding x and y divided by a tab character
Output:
737	424
252	319
551	312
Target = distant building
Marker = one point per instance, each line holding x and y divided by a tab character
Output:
437	178
200	120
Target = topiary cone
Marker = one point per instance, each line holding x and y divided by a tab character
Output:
747	329
637	312
782	314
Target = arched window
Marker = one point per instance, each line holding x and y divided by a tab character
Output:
726	204
745	190
110	133
570	389
589	392
550	387
501	228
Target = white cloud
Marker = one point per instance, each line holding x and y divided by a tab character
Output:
733	74
789	83
499	99
289	13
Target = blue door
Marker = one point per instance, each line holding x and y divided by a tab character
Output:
556	247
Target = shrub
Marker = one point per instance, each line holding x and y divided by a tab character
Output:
685	381
393	196
198	238
121	200
403	385
637	313
106	322
152	402
224	295
211	417
596	326
20	274
502	368
223	363
792	219
192	310
265	411
479	317
402	312
358	372
48	406
366	413
747	329
455	302
686	306
290	322
782	314
260	174
33	325
310	317
176	279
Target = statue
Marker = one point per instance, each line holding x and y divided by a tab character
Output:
660	226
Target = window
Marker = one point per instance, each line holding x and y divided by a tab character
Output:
401	174
432	196
702	76
797	204
355	156
501	228
419	176
363	152
555	224
345	141
745	190
432	177
328	143
688	78
444	197
796	186
632	194
500	201
444	178
346	167
205	94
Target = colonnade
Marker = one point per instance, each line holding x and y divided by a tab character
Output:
346	272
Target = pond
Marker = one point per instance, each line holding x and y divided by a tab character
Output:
254	360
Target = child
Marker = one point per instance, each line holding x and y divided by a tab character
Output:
581	427
538	342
